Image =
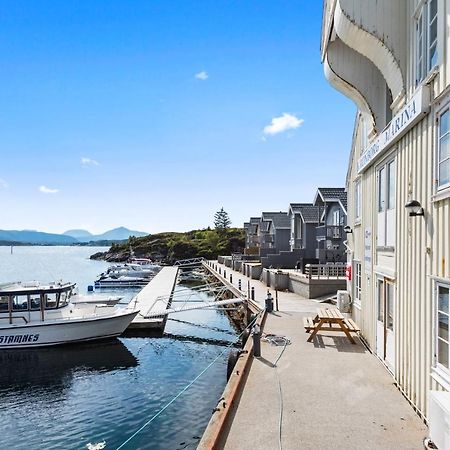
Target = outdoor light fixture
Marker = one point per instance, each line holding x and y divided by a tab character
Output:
348	229
414	208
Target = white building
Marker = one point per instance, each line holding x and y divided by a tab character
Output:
392	58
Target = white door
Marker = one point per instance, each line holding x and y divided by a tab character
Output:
385	321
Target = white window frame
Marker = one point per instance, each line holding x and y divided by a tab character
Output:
444	110
423	40
357	284
443	371
357	191
385	208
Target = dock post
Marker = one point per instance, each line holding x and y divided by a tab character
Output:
248	288
256	334
231	277
253	293
224	273
276	300
239	284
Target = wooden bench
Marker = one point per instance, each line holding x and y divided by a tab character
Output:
330	320
351	325
308	323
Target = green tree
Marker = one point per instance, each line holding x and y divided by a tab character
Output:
221	220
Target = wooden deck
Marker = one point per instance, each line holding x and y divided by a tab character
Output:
156	296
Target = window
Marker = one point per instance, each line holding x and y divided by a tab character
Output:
358	200
4	303
336	217
442	338
426	39
386	205
357	282
443	157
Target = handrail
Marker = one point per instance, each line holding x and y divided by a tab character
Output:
336	270
15	317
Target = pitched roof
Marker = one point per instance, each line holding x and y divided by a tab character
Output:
279	219
295	207
255	219
311	213
332	195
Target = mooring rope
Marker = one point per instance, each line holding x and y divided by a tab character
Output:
278	341
187	386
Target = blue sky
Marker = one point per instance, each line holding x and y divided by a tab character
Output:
155	114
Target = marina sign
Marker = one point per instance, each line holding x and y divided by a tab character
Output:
409	115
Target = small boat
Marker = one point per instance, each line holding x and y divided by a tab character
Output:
96	298
129	270
144	262
37	315
120	282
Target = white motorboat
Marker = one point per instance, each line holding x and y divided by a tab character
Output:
144	262
36	315
129	270
96	298
120	282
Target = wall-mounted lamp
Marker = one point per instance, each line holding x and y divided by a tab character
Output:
348	229
414	208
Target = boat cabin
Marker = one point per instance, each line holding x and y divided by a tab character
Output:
32	297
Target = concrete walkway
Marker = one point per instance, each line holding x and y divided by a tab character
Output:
332	394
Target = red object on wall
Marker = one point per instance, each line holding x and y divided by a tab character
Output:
348	272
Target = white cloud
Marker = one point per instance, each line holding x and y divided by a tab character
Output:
3	184
47	190
282	123
89	161
202	75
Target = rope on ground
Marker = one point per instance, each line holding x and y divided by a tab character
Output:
187	386
278	340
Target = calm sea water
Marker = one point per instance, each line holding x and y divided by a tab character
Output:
67	397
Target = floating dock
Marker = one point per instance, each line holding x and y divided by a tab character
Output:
156	296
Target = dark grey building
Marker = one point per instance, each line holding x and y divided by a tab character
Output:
330	234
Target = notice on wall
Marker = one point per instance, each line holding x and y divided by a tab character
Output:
368	250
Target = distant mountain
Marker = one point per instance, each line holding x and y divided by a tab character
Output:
117	234
78	233
70	237
36	237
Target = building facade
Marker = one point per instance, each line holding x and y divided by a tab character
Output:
330	236
392	59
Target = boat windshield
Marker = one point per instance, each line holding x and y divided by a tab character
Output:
51	300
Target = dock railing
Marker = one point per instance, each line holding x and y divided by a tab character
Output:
318	271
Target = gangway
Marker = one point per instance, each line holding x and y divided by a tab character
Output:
202	305
191	262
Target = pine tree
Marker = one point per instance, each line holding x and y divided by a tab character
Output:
221	220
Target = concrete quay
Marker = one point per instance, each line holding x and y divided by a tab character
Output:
328	393
156	296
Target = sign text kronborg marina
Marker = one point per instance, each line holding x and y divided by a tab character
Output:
397	127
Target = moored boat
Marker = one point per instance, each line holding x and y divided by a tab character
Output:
36	315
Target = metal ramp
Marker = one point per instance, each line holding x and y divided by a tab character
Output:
191	262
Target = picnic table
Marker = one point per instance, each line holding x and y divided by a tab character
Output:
330	319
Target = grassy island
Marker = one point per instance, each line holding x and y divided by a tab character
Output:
170	246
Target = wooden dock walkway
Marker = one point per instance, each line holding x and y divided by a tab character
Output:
156	296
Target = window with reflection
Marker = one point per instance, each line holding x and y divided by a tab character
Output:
20	303
51	301
35	302
442	341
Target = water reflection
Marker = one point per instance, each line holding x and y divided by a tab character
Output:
56	365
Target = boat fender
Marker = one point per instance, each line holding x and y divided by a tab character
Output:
233	356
